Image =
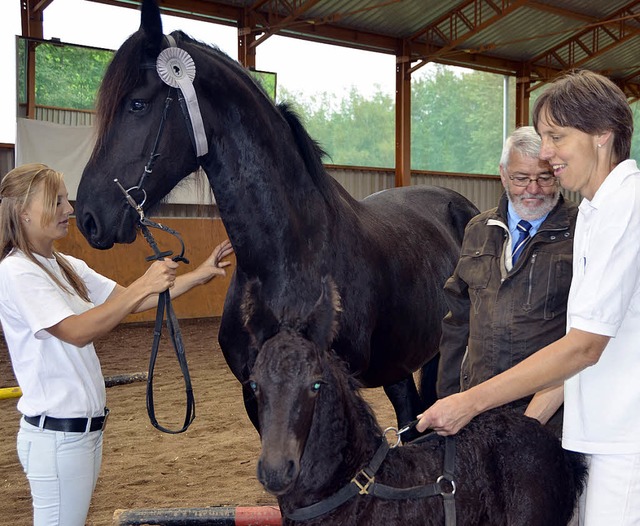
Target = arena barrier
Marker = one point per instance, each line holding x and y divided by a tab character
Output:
213	516
122	379
10	392
109	381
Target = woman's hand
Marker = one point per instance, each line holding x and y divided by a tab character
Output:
160	276
214	264
448	415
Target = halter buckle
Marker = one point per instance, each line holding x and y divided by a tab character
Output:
363	486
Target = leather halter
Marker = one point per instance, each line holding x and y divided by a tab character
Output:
364	483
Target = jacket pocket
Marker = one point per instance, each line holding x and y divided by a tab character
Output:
559	281
475	269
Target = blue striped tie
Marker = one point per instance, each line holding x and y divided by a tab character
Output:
524	227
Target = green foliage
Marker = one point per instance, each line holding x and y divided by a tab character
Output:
267	80
69	76
635	140
456	121
355	130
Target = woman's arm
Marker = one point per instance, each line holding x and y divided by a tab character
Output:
545	403
546	368
141	295
82	329
211	267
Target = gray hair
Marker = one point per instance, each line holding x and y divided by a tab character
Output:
525	141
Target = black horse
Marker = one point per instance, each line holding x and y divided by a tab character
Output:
288	220
321	444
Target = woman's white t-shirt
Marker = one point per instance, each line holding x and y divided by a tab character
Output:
56	378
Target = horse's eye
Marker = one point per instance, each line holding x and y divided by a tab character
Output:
138	105
316	386
253	386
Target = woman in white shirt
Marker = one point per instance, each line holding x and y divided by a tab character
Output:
586	126
52	307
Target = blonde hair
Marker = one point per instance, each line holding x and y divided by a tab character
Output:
17	189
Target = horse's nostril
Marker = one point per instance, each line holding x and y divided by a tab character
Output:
292	470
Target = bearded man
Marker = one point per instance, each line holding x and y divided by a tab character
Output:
508	294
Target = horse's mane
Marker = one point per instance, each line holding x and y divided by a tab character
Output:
121	76
311	151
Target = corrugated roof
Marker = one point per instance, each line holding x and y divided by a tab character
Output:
541	37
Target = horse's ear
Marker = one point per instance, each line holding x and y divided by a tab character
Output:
257	317
321	325
151	25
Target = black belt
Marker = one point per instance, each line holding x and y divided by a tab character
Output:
69	425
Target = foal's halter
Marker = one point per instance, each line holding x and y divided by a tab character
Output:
364	483
177	69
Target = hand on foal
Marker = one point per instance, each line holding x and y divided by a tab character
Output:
448	415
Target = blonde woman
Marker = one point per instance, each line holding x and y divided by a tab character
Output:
52	307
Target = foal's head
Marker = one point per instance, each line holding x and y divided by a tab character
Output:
288	378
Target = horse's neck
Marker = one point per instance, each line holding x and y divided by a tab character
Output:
266	197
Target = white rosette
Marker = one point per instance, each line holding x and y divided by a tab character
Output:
175	65
177	69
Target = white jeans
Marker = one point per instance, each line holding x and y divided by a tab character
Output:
612	495
62	469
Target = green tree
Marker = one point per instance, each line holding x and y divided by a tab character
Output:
355	130
456	121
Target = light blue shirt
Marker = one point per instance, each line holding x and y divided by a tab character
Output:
514	218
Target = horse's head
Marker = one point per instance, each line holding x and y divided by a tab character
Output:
141	130
290	377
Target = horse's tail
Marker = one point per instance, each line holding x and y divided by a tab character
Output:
460	213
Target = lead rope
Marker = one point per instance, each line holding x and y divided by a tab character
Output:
164	305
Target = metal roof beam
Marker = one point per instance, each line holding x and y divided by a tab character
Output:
560	11
591	42
458	25
294	11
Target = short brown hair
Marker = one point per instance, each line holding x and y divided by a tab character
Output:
591	103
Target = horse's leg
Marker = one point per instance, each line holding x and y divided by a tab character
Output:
428	382
236	347
406	402
251	406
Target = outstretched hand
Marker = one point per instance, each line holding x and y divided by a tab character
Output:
214	264
447	416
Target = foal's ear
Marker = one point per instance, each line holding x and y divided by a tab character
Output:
321	325
257	317
151	24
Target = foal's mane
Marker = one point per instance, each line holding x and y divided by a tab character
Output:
124	74
360	417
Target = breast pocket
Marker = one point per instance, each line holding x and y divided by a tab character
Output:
477	264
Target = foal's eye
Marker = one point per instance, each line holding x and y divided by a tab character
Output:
316	386
138	105
253	386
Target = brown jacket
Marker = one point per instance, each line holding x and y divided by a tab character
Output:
496	317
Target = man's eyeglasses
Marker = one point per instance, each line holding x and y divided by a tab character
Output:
542	180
